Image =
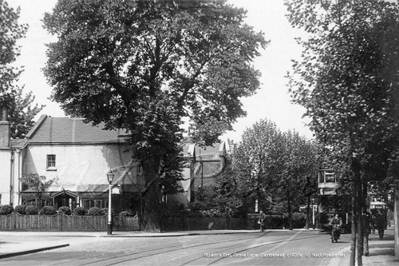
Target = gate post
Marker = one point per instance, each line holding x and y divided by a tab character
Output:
60	221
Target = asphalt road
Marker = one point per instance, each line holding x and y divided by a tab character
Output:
268	248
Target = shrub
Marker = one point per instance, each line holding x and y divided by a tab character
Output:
48	210
94	211
126	213
104	210
173	209
31	210
65	209
80	211
211	213
20	209
6	209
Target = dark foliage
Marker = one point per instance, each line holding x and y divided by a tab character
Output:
20	209
80	211
48	210
31	210
95	211
65	209
6	209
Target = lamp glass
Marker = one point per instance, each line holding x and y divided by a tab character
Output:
110	177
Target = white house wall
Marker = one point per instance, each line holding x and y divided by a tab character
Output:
183	198
78	166
5	159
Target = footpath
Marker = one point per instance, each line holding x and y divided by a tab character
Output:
21	243
16	243
381	252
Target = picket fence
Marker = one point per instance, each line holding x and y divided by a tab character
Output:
62	222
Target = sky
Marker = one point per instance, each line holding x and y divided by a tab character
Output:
271	102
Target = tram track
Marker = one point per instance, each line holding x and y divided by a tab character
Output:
239	247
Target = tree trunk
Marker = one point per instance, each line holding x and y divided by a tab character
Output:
359	252
308	213
151	209
289	214
356	187
353	228
151	196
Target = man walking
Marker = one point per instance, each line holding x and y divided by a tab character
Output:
381	223
261	221
366	232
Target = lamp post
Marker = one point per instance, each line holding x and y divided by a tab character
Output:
110	177
313	217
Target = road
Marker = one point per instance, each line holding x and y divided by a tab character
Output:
280	247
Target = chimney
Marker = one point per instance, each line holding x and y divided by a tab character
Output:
4	130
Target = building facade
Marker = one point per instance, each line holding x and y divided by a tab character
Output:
76	157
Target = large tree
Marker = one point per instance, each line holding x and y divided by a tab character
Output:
272	167
145	66
298	172
257	162
347	80
20	107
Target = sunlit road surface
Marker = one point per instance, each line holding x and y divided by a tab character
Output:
279	247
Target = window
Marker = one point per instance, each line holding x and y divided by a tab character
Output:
139	170
50	161
95	203
330	177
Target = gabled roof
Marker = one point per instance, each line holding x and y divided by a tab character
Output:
191	149
65	130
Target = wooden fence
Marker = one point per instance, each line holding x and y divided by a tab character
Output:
62	222
203	223
225	223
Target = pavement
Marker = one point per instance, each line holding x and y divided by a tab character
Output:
20	243
381	252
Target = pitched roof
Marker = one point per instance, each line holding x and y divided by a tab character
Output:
70	130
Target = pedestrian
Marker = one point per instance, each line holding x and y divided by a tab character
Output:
373	223
261	221
381	223
366	232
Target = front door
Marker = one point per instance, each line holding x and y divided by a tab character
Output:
65	200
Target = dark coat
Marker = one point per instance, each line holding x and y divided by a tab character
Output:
380	220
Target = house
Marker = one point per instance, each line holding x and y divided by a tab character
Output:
77	156
203	164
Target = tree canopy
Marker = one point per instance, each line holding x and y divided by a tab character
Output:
276	169
145	66
347	80
20	107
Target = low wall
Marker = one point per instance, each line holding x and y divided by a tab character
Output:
62	222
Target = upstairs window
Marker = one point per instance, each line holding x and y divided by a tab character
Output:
51	161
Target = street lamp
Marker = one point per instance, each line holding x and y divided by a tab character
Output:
110	177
